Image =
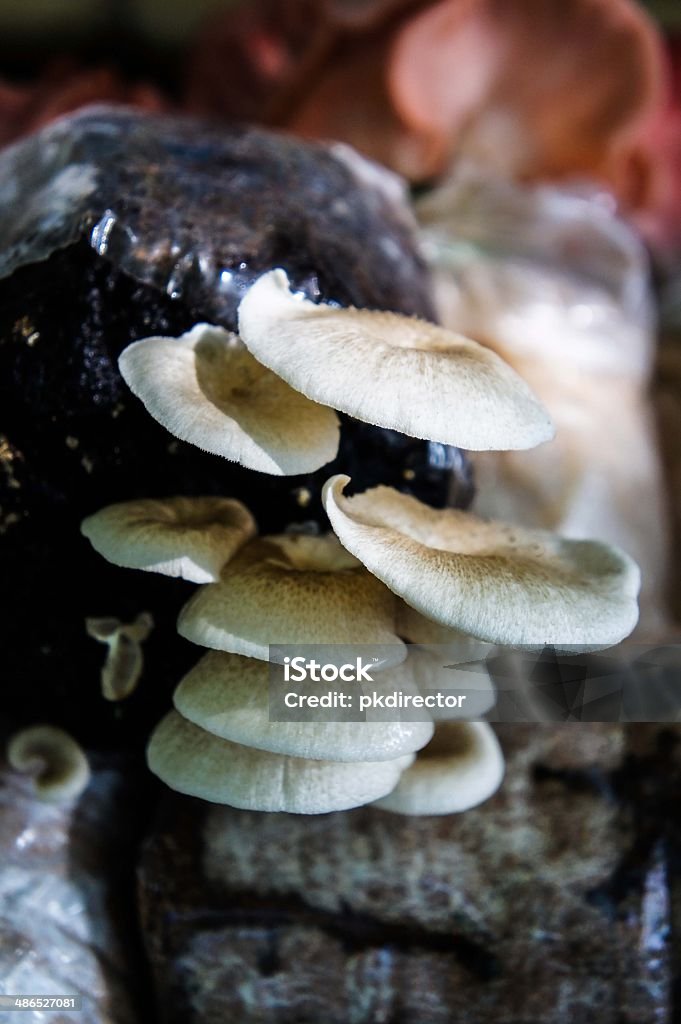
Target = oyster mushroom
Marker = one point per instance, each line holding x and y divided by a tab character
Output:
207	389
503	584
124	660
192	761
229	697
187	537
461	766
391	370
58	765
293	589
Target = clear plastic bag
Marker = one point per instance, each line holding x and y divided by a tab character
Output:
560	288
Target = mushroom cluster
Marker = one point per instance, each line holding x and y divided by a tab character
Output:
267	397
391	569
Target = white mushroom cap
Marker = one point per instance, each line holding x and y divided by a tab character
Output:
59	766
293	589
125	660
461	766
229	696
391	370
187	537
192	761
207	389
504	584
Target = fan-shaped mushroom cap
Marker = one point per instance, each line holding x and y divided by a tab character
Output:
292	589
187	537
461	766
391	370
59	766
192	761
229	696
500	583
207	389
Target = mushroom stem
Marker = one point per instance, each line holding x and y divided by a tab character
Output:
124	660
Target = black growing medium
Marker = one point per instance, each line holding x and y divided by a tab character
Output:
73	439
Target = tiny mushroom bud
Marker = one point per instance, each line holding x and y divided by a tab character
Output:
229	696
500	583
59	766
391	370
187	537
207	389
293	589
124	661
192	761
461	766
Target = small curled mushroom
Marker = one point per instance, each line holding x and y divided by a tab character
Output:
124	660
59	767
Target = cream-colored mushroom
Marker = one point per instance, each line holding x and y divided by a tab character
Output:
59	767
124	660
461	766
192	761
183	536
503	584
229	696
391	370
207	389
293	589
